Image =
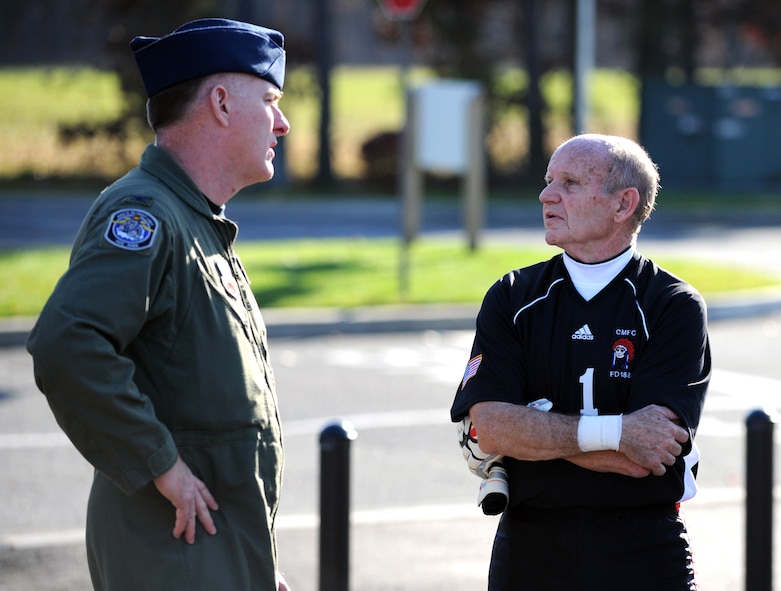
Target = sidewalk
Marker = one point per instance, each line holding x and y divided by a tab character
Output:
309	322
742	239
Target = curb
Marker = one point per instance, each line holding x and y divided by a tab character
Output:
311	322
314	322
744	304
14	331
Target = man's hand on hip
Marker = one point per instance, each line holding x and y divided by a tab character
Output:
191	499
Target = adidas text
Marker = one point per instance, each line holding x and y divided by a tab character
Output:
583	334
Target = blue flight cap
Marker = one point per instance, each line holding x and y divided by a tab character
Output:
209	46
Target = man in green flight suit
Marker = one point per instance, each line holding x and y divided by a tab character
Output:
152	352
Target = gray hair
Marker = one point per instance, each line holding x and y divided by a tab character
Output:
171	105
628	165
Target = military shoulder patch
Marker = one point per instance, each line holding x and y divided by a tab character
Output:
131	229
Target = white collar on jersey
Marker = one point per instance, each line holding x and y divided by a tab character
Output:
590	279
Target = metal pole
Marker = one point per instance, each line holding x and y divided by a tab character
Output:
474	176
335	440
584	61
759	501
411	187
324	34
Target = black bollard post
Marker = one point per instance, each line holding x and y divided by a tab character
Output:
759	501
335	440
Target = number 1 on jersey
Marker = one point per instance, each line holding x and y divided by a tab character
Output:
587	383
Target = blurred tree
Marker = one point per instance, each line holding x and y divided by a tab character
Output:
667	37
118	22
125	19
534	100
475	39
466	41
761	25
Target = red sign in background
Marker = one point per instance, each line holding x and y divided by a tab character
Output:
402	9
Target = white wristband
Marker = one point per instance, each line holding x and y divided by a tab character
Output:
598	433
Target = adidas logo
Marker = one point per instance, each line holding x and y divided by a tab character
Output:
583	334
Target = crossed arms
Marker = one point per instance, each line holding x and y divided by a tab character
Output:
651	438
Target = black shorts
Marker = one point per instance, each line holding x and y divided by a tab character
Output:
591	550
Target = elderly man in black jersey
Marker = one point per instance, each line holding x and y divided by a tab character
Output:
617	348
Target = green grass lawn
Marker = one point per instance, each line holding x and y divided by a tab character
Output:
36	102
354	272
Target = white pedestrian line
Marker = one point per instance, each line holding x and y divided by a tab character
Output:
10	441
42	539
729	392
706	497
440	364
381	515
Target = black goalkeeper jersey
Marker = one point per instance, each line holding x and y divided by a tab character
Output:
641	340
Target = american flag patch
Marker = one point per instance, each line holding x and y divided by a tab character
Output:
471	369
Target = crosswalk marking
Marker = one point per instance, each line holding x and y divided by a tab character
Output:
705	498
729	392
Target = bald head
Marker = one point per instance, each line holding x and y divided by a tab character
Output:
622	164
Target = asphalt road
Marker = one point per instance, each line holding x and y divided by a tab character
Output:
414	523
42	218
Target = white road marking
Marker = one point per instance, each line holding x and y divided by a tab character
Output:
414	514
729	392
42	539
9	441
705	498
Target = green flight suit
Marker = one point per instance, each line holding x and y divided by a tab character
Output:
152	345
